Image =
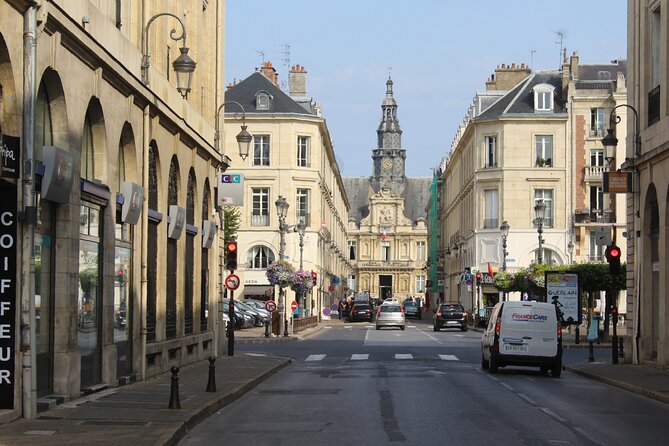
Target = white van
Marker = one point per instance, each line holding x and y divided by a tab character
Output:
524	334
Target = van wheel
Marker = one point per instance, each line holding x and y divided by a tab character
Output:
464	328
484	364
544	369
556	369
493	366
435	328
402	327
378	328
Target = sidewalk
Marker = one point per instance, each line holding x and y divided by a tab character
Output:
137	414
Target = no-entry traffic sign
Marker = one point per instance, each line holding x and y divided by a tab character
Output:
293	306
270	306
232	282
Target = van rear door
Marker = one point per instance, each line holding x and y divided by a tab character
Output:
544	322
516	333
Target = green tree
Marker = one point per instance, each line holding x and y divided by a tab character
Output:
232	218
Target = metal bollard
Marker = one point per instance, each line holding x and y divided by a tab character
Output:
267	328
285	327
211	383
174	389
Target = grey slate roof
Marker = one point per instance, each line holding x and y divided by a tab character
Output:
520	100
416	196
592	72
245	93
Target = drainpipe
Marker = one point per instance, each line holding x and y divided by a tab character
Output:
27	305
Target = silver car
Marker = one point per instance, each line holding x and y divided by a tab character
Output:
390	315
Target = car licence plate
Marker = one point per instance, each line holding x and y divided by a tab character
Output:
515	348
453	323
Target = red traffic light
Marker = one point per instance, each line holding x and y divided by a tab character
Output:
478	275
614	251
231	246
314	275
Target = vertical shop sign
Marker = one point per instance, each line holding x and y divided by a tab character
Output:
7	293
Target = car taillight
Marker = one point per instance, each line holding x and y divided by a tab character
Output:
402	310
497	325
464	314
559	331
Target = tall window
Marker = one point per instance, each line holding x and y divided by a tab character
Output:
87	159
548	257
596	251
259	257
420	251
352	249
351	283
260	211
597	158
385	251
261	150
171	258
152	266
596	198
302	206
490	151
491	209
204	265
547	196
655	45
303	151
543	145
420	284
189	255
597	121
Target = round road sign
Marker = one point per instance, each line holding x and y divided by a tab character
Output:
326	311
270	306
293	306
232	282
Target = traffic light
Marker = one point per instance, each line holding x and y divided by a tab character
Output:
231	255
314	276
613	257
478	279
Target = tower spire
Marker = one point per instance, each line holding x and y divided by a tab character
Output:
389	132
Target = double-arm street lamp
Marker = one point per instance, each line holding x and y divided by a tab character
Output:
540	214
183	65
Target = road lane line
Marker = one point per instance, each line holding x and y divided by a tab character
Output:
527	398
315	357
360	357
553	414
403	356
449	357
506	386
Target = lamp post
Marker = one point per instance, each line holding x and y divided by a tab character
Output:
504	228
183	65
301	228
540	214
610	143
282	211
244	138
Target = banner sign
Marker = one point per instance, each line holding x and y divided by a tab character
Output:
230	189
8	291
10	149
617	182
564	290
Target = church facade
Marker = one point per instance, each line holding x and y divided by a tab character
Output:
387	230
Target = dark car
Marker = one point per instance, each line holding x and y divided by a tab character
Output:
450	315
360	312
411	309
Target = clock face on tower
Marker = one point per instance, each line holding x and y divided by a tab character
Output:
387	164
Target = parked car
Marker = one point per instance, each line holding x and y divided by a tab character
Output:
390	315
242	319
450	315
524	334
411	309
360	312
259	316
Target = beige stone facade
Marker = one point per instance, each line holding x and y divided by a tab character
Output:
113	301
648	207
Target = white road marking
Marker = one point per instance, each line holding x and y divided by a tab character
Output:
527	398
403	356
256	354
449	357
360	357
553	414
588	436
506	386
315	357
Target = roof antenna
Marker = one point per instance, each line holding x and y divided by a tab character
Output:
261	53
286	63
532	60
560	36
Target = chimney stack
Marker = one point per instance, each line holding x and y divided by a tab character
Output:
297	78
507	76
270	72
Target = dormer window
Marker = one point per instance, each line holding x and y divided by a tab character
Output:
262	100
543	97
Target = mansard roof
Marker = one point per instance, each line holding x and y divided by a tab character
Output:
245	93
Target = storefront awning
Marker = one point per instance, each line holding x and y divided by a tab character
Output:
258	290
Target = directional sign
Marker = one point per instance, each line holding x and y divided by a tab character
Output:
270	306
232	282
293	306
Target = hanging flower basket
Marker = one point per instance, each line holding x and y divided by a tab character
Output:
302	282
280	273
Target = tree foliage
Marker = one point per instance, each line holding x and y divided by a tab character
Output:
232	218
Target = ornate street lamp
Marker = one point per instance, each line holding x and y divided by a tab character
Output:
244	138
540	214
183	65
505	233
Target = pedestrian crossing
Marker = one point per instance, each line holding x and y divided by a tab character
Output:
366	357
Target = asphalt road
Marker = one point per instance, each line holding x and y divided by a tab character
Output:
355	385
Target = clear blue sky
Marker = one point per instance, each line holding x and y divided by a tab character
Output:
441	53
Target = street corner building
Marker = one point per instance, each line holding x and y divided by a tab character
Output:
113	123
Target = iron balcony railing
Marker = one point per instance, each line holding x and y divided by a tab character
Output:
491	223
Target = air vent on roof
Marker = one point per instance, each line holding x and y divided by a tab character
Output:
603	75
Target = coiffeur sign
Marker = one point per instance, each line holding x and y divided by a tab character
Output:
7	292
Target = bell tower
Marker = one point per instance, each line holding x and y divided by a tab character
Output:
389	158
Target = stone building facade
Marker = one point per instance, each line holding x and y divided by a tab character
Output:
387	230
116	276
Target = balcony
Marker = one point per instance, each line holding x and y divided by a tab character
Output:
593	216
594	173
597	133
259	220
491	223
654	106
